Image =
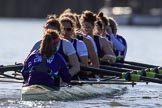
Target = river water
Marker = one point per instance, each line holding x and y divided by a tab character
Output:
17	37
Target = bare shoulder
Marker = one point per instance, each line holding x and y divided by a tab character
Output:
86	41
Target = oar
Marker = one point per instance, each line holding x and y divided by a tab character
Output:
142	72
151	72
11	67
13	81
101	82
123	65
157	70
127	76
139	64
9	76
135	63
135	77
95	70
108	67
15	68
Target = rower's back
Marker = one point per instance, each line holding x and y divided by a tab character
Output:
45	65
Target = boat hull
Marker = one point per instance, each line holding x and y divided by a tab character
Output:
43	93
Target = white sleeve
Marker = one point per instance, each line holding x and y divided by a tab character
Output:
81	48
68	48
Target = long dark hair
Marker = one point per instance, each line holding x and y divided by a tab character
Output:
47	45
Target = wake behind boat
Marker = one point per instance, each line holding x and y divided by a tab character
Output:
77	92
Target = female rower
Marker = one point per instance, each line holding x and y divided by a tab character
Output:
119	43
64	46
67	32
104	50
45	66
86	39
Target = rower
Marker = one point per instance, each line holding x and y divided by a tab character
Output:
64	46
92	50
46	65
67	32
119	43
104	50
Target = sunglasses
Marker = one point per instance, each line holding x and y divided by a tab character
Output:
68	29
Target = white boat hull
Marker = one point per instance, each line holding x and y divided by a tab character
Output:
42	93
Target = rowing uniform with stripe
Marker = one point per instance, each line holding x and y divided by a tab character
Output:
81	50
44	71
120	45
64	47
80	47
80	37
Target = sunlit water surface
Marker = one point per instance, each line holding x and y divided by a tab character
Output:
144	45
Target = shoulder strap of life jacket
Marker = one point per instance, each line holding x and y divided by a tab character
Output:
99	50
60	50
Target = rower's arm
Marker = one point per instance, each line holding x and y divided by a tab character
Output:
64	71
106	46
82	52
92	54
108	51
70	52
74	64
